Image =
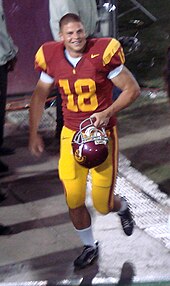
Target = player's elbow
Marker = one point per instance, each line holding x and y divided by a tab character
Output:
135	92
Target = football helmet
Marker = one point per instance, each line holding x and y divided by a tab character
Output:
90	144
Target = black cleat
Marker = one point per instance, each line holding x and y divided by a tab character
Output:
127	221
87	257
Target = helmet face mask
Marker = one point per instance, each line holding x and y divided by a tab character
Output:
90	144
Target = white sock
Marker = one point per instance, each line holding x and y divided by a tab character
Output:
124	205
86	236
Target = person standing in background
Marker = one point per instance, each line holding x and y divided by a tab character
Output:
87	10
8	52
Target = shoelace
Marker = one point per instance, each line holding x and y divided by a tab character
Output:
125	223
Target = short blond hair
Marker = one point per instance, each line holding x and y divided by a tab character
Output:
67	18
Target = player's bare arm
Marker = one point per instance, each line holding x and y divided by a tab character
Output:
38	100
130	91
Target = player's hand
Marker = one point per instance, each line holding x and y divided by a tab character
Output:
36	145
100	119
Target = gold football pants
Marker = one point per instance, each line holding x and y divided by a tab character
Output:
74	176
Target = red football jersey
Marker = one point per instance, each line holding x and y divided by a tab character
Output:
85	89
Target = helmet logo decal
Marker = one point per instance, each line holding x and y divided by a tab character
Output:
80	159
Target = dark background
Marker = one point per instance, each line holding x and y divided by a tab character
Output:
28	24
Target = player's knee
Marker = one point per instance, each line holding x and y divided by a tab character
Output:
101	208
100	196
75	200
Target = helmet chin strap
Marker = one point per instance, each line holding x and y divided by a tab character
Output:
89	130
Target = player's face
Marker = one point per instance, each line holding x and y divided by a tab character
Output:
74	37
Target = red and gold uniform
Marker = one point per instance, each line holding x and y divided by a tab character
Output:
85	90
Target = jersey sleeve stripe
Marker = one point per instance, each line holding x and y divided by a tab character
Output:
40	62
110	51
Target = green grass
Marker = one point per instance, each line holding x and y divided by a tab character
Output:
148	62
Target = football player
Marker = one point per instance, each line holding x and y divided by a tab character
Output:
87	10
85	72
